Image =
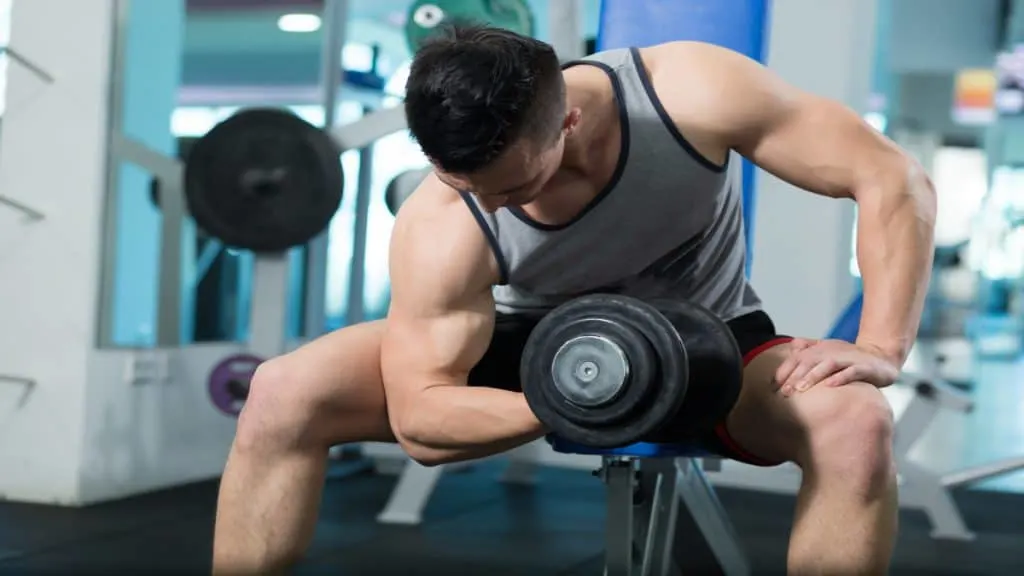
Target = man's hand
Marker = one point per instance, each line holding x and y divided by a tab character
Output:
833	363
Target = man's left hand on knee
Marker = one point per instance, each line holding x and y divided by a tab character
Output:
833	363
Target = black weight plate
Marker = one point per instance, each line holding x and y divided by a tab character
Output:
668	385
612	325
402	186
264	180
715	368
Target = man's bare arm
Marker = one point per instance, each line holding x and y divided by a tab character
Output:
826	148
439	326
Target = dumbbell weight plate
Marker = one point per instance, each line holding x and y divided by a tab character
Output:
575	347
607	346
715	370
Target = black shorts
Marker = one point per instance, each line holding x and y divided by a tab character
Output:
499	368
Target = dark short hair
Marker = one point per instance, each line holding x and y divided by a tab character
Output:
473	90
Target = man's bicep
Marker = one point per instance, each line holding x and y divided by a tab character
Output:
436	346
442	313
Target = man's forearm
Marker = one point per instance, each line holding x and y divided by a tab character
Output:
895	247
449	423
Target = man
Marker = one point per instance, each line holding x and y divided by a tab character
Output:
553	182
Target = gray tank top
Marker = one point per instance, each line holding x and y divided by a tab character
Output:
668	214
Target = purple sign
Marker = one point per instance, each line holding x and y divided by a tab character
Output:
228	383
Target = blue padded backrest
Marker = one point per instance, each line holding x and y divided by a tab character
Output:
638	450
847	326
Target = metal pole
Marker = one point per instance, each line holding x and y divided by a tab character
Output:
357	275
335	18
169	325
115	110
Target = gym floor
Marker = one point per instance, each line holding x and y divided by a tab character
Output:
476	525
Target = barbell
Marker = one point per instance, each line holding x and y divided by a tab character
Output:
266	180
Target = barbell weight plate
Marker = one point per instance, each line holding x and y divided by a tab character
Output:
264	180
715	366
425	17
402	186
228	382
605	329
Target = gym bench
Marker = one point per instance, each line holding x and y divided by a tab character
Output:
663	517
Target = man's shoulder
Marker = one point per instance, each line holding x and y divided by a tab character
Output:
679	56
437	235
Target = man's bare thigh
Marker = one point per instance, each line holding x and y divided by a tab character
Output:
337	378
777	428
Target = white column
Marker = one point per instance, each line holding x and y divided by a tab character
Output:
565	19
52	161
802	243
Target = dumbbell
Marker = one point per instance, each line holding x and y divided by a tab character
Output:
608	370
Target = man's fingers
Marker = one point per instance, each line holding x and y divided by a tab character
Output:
803	367
845	376
822	370
784	373
797	344
785	370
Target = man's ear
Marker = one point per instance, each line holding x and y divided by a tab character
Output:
571	120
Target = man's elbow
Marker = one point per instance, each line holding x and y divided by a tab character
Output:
897	185
425	455
413	433
919	191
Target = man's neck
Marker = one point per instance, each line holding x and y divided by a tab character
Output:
592	150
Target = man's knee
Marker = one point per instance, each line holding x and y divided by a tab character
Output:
849	434
275	416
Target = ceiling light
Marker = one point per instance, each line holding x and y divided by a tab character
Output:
299	23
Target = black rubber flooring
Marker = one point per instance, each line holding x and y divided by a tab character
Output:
474	526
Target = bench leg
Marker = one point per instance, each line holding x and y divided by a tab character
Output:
922	488
410	495
522	465
664	516
703	519
619	475
658	517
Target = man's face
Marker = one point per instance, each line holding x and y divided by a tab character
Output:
517	177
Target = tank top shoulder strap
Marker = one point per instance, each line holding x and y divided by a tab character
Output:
640	98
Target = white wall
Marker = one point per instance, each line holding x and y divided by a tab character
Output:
52	158
942	35
150	422
802	241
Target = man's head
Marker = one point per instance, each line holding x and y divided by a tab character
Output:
487	106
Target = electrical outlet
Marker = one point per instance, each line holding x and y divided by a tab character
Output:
145	368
